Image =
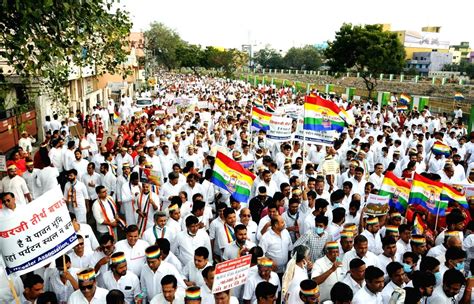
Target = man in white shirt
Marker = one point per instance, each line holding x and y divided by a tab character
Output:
371	293
189	240
328	270
108	179
118	277
80	164
192	271
48	177
376	178
31	177
169	189
56	154
448	292
397	280
15	184
355	277
159	230
79	258
105	213
360	251
154	270
88	291
76	196
68	156
264	273
372	233
240	246
192	186
90	241
276	243
91	179
134	249
171	293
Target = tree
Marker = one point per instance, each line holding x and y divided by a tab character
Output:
164	43
42	39
227	60
269	58
465	68
190	56
367	50
305	58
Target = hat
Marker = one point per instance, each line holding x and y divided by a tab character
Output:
124	149
191	147
350	227
471	171
347	234
261	168
287	165
418	239
193	293
153	252
396	214
140	150
173	207
237	154
332	245
296	191
309	288
30	163
354	163
86	274
373	221
451	233
118	258
12	167
258	153
126	165
391	228
265	262
396	152
147	163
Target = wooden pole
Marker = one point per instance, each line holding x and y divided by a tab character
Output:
12	287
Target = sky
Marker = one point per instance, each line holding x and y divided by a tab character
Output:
284	24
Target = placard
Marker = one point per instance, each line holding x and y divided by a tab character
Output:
280	129
246	163
231	273
149	176
377	205
37	233
316	137
76	131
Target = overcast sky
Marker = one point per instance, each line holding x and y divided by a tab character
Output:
284	24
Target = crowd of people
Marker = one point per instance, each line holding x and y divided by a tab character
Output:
305	225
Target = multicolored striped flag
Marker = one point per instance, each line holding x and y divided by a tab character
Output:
261	119
258	103
347	117
231	176
116	116
418	226
450	195
397	189
405	99
427	193
458	96
321	115
440	148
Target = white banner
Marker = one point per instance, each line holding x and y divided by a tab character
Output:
37	233
377	205
315	137
231	273
280	129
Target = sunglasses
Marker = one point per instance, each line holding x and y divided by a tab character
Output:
80	244
85	287
246	215
7	200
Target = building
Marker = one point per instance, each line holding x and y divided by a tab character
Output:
426	62
460	52
428	40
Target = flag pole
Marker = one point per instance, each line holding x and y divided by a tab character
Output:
11	285
304	142
437	215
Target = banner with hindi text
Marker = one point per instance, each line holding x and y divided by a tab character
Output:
37	233
280	129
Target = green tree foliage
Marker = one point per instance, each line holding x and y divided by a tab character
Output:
164	43
367	50
269	58
305	58
42	38
464	67
190	56
227	60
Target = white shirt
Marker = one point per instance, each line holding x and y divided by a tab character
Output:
152	280
439	297
191	273
370	259
293	292
128	284
135	255
81	196
100	217
231	251
365	296
185	245
374	241
153	233
62	291
277	247
90	240
388	290
252	281
17	186
33	182
99	297
349	281
178	297
82	262
321	266
48	178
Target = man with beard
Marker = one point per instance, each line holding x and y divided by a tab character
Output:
119	278
91	179
128	197
76	196
146	204
79	163
453	282
106	213
240	246
101	257
88	291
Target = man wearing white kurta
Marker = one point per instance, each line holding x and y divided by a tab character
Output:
75	194
328	270
371	292
134	249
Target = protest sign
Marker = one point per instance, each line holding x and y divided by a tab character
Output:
171	110
3	163
325	138
231	273
246	163
280	129
76	131
36	234
377	205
